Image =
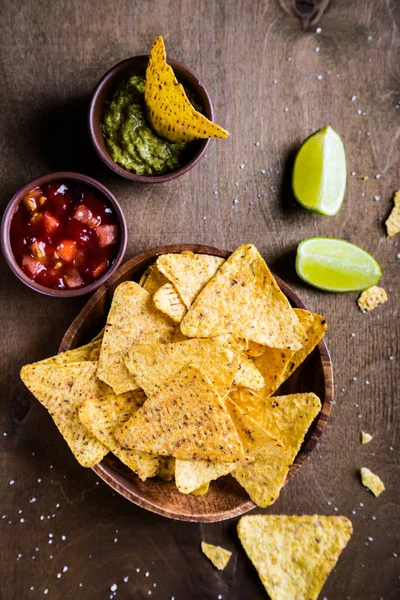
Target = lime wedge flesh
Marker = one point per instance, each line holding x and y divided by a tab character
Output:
336	265
319	172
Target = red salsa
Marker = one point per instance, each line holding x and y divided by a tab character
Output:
64	235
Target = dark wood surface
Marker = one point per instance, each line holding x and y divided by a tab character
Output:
52	55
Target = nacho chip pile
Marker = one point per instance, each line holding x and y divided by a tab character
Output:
179	383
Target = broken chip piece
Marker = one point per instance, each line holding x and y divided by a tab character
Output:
170	112
294	555
366	437
217	555
393	221
372	481
371	298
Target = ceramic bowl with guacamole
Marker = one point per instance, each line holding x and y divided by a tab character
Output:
129	132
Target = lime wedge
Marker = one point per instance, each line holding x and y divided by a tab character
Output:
319	173
336	265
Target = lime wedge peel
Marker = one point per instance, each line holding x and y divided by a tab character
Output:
335	265
319	172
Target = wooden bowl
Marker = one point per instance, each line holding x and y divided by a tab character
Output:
226	498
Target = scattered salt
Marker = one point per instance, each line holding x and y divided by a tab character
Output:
113	587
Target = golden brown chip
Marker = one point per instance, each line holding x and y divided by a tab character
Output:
192	474
243	299
248	375
294	555
104	414
286	418
89	352
366	437
217	555
152	280
393	221
132	319
167	299
264	477
202	490
170	112
185	418
189	272
372	481
61	389
152	364
371	298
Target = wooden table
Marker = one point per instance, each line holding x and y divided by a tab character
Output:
272	83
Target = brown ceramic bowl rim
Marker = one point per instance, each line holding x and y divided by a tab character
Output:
95	131
116	480
10	211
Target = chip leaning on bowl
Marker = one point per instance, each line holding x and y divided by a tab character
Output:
189	397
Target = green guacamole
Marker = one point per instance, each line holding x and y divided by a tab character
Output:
129	138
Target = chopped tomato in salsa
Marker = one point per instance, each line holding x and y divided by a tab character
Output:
64	236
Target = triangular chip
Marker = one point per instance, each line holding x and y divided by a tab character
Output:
132	319
152	280
217	555
244	299
169	110
294	555
185	418
103	415
263	478
169	302
89	352
189	272
366	438
372	481
286	418
153	364
273	362
202	490
248	375
61	389
393	221
315	333
192	474
371	298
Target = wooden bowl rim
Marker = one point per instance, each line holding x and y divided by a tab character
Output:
113	479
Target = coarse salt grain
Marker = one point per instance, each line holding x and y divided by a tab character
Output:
65	569
63	537
147	574
11	482
126	579
318	30
32	500
353	98
113	587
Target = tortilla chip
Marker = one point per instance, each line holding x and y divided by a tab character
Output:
272	362
152	280
248	375
286	418
294	555
185	418
170	112
167	299
103	415
192	474
202	490
189	272
166	469
371	298
366	437
89	352
217	555
372	481
243	299
133	318
255	350
263	478
315	333
393	221
61	389
153	364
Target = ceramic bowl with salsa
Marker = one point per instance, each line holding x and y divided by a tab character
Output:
107	95
63	234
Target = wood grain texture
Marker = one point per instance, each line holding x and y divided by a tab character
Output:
225	499
52	55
